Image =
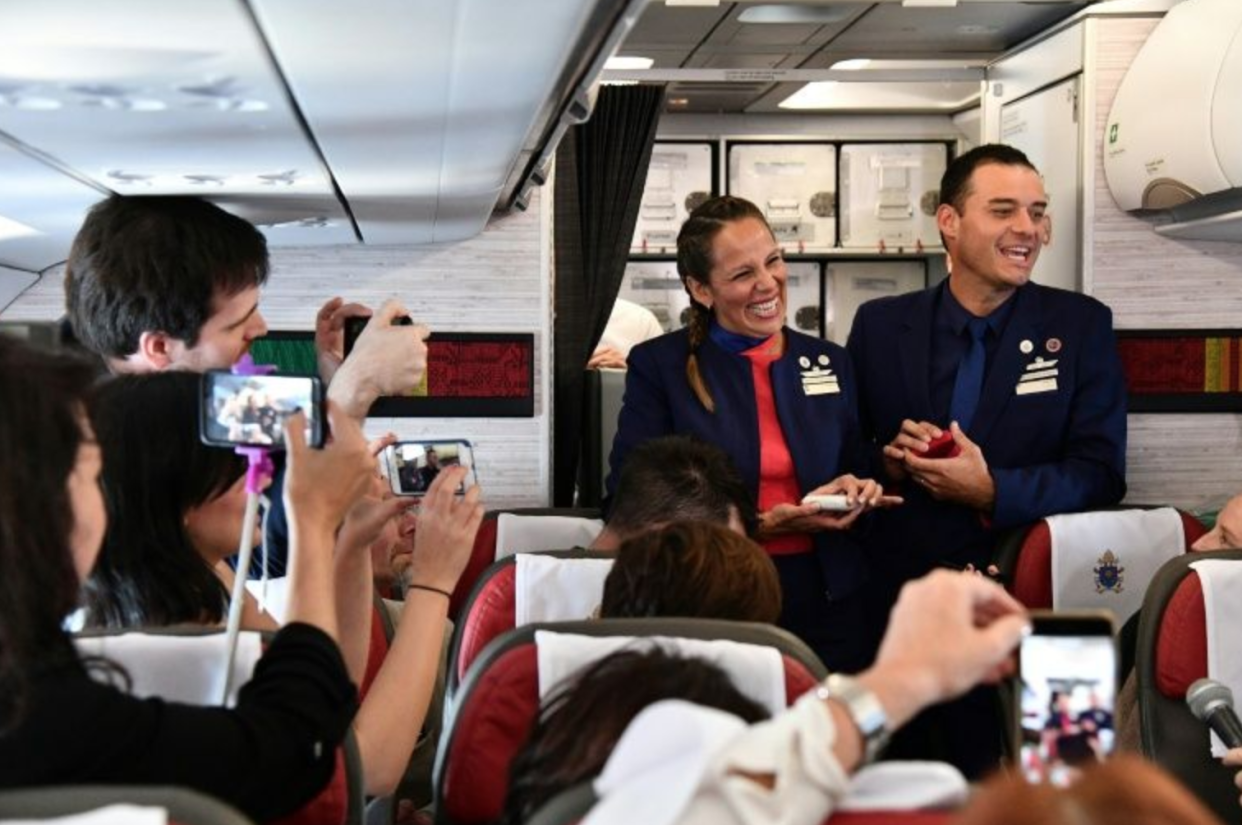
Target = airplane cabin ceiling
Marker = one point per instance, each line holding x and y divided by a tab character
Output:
325	122
717	37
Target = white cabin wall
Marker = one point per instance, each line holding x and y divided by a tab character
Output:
1150	282
1153	282
497	281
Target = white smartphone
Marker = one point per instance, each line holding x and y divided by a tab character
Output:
411	466
1068	690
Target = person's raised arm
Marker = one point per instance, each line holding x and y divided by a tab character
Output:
389	721
948	632
320	487
386	360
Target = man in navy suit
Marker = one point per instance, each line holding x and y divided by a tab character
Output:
1025	378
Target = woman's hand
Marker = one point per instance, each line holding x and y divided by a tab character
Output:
445	534
322	485
860	494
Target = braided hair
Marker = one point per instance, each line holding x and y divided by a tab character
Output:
694	260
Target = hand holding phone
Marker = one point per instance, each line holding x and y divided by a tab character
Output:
250	410
1068	688
411	466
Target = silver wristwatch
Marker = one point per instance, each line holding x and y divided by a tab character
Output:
864	709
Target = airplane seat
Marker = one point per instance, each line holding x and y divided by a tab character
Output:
1025	554
603	392
571	806
491	609
499	699
382	631
184	806
1172	654
524	530
183	664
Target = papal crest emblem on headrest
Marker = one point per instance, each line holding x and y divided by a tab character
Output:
1109	575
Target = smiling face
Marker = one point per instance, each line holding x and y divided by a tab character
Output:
996	238
746	286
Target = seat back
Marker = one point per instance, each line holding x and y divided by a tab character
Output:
184	806
490	610
1172	654
604	390
485	552
1024	557
571	806
499	699
185	664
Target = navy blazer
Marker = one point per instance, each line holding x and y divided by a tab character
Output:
821	430
1051	420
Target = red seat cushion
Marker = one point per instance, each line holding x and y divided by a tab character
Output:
493	722
487	617
1181	645
481	557
891	818
330	807
1032	577
376	652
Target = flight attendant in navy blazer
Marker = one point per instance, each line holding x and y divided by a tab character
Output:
781	404
1046	428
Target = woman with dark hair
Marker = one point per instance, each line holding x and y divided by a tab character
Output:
170	532
175	507
270	754
783	405
582	721
692	569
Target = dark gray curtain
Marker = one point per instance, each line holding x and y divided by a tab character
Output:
601	168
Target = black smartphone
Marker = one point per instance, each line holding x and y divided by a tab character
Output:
354	326
1067	672
250	410
411	466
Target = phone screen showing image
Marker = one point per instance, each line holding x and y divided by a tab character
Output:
250	410
1067	704
413	465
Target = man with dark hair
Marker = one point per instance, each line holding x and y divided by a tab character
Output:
172	282
165	282
1021	383
676	478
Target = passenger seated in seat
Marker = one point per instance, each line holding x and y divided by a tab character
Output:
583	719
176	508
948	632
676	478
692	569
269	755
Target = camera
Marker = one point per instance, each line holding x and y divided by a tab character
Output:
355	324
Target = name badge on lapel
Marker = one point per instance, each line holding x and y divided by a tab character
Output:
1039	376
819	379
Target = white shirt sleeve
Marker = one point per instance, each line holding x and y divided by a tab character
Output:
681	763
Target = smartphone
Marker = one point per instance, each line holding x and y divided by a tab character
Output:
411	466
1067	686
250	410
354	326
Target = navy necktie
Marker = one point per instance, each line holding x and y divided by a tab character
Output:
969	382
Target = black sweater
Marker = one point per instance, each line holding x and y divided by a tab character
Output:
268	756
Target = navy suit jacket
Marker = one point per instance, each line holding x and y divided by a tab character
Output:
1053	448
821	430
